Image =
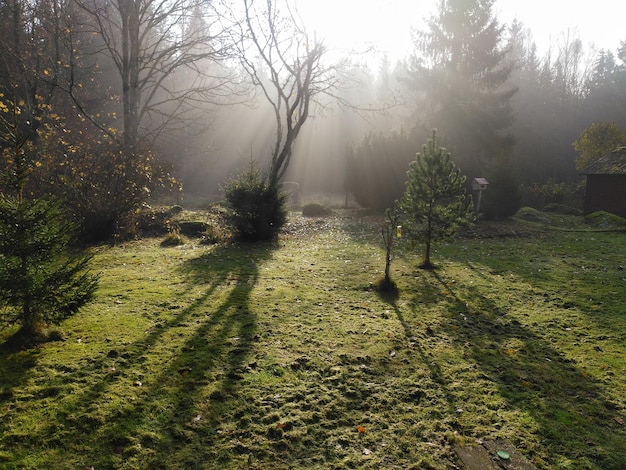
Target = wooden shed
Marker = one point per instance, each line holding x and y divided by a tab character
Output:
606	184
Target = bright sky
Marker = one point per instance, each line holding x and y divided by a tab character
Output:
385	24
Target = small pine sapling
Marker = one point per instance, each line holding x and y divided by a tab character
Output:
435	201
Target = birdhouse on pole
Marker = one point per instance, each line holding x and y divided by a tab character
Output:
479	185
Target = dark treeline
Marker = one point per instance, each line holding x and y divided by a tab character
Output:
110	104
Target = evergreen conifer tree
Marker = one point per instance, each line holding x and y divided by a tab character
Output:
257	208
460	74
435	201
41	281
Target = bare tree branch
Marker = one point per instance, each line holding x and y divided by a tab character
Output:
169	54
285	63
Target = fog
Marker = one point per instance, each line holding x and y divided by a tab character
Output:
558	95
505	107
233	135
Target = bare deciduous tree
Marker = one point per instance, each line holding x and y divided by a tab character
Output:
168	54
285	62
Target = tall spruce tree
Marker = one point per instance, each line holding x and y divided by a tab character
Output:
459	75
435	201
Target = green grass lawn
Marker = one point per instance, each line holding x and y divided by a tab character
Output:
281	355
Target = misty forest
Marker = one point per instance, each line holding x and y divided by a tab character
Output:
121	103
217	190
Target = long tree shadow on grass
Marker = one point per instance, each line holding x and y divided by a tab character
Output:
165	395
573	418
420	338
15	365
202	380
582	271
416	337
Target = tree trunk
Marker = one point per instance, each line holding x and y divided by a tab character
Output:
426	264
429	236
130	73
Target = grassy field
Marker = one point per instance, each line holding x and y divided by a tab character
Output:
281	355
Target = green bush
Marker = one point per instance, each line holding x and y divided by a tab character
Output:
257	209
540	195
562	209
315	210
532	215
605	220
376	168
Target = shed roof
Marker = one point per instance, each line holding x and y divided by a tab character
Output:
612	164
